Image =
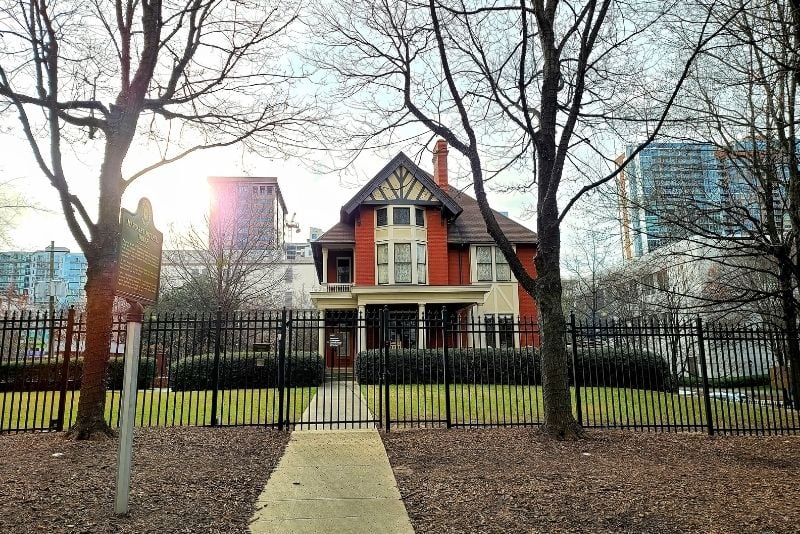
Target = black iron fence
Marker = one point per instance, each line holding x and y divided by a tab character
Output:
388	368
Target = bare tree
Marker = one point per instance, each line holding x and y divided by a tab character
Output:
527	84
12	204
218	268
742	102
176	77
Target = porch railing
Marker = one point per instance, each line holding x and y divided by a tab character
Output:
338	288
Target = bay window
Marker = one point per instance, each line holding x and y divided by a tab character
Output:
383	263
401	216
402	263
421	264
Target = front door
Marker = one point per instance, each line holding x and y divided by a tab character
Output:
340	346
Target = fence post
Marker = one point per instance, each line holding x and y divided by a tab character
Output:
215	376
575	375
62	397
281	367
385	333
704	373
446	368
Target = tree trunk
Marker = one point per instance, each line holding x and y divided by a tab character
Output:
558	419
790	324
100	290
99	316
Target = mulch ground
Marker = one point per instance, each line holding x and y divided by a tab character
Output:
513	480
184	480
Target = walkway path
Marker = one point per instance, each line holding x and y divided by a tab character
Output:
337	405
333	481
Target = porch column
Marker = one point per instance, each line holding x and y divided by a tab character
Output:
324	265
361	325
321	343
421	327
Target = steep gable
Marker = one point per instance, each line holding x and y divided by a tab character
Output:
401	181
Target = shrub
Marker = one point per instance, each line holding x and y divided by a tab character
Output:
239	371
411	366
621	367
520	366
43	375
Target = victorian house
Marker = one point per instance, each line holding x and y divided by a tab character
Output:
410	242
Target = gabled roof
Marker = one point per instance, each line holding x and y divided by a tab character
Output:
340	232
470	228
400	160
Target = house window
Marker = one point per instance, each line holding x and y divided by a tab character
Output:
484	257
381	214
342	270
488	322
505	330
502	268
402	263
420	216
383	263
401	216
421	264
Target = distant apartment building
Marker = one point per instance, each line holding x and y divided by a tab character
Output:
669	191
247	212
303	250
26	280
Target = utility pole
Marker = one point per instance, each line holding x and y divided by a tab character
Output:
52	303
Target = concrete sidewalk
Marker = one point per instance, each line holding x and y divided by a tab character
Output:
332	482
337	405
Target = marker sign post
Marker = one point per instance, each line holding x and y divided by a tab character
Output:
138	274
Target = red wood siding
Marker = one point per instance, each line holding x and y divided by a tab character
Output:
528	312
437	248
458	266
365	247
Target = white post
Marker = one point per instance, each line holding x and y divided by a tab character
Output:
362	328
421	329
134	331
324	265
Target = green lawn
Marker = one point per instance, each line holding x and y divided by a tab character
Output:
158	408
499	404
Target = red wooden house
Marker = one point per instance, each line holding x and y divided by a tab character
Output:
411	242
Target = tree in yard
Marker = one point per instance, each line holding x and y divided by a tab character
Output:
221	269
742	102
522	85
175	77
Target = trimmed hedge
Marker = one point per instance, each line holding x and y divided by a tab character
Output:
240	371
511	367
47	376
728	382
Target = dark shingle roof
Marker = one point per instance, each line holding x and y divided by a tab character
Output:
340	232
470	228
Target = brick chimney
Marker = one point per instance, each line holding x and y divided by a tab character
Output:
440	163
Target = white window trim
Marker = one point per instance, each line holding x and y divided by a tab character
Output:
390	255
473	261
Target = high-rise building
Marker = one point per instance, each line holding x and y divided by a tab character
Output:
247	212
25	277
669	191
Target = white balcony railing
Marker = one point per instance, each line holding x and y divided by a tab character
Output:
338	288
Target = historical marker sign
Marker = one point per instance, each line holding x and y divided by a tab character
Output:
139	256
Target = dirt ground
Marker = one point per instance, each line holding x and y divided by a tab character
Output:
184	480
512	480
